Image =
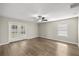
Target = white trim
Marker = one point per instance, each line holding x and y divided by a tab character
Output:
13	41
43	37
68	42
4	43
63	41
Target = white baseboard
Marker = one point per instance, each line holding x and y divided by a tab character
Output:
68	42
62	41
14	41
42	37
4	43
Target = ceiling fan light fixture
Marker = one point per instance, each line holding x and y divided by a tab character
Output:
41	18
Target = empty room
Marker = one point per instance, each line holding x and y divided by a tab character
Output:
39	29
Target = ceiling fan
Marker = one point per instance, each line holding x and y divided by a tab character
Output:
41	18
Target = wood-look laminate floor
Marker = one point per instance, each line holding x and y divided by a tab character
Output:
39	47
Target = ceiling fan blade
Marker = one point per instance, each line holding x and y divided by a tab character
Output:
44	20
36	19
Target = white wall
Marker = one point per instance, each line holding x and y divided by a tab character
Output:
0	29
49	30
46	30
78	31
4	31
31	29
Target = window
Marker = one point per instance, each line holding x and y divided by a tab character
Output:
14	28
62	28
22	30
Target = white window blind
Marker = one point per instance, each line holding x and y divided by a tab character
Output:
62	28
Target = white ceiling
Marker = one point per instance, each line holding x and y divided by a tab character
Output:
28	11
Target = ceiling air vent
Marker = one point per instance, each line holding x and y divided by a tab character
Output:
73	5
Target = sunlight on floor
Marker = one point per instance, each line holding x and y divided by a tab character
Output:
62	49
